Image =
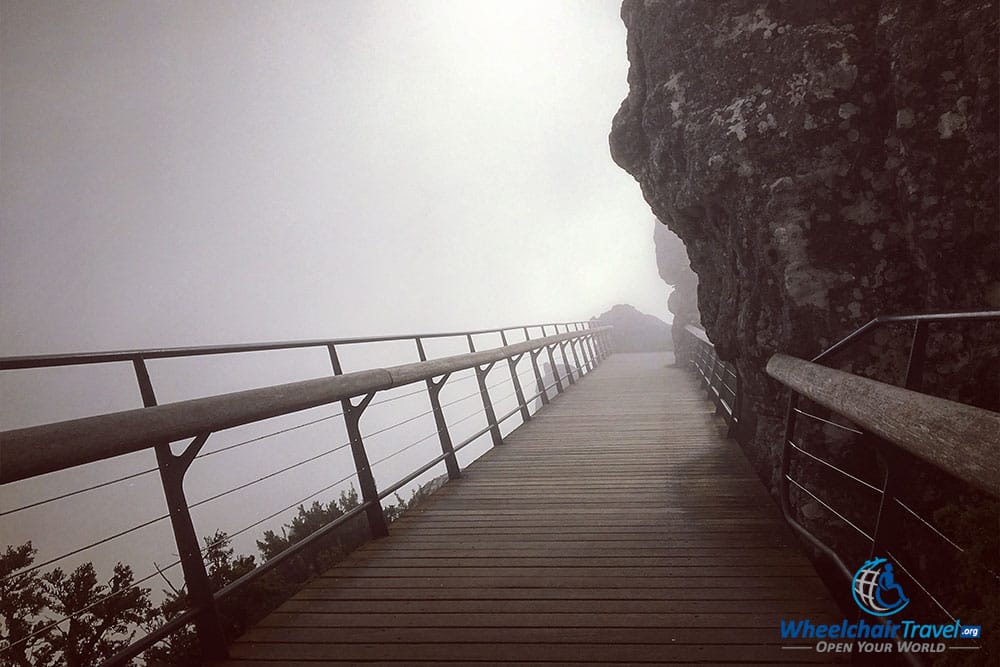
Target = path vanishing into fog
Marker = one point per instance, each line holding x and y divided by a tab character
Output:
618	525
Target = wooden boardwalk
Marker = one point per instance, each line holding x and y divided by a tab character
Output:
618	526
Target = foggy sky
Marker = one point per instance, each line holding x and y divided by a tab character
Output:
192	172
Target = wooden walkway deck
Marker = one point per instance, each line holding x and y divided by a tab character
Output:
618	526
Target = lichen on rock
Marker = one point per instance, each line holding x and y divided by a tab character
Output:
823	163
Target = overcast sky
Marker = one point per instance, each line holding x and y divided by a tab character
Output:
196	172
183	173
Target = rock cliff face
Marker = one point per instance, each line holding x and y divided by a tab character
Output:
675	269
824	163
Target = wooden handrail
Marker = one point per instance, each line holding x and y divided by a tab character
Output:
960	439
37	450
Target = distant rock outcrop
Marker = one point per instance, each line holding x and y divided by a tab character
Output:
635	331
823	162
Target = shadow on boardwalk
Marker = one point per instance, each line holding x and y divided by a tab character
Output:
617	526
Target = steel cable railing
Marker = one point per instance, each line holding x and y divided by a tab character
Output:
74	552
227	492
717	378
212	452
137	583
110	596
712	372
160	570
286	508
148	471
899	453
451	424
245	485
587	347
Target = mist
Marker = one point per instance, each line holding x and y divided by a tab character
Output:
190	173
194	173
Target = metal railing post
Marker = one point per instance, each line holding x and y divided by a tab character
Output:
593	349
918	352
585	348
710	379
552	364
484	392
737	408
352	420
576	358
539	382
208	624
717	385
569	369
518	392
881	534
444	436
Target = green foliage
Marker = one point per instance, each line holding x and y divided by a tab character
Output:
106	617
223	567
22	600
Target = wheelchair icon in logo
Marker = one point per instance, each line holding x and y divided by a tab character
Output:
875	589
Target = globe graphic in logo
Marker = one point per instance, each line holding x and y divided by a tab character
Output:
875	590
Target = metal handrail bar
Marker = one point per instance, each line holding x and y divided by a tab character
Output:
286	469
895	319
36	450
77	358
136	648
960	439
713	371
431	435
953	437
47	448
392	488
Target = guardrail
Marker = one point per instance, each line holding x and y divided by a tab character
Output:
37	450
892	423
720	378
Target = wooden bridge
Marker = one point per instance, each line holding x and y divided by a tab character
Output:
619	525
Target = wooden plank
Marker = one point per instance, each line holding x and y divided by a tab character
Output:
344	591
516	619
448	562
498	631
722	611
618	526
511	663
564	581
575	653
